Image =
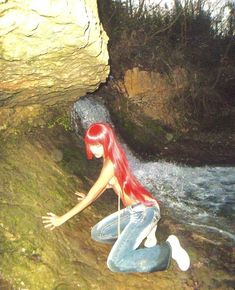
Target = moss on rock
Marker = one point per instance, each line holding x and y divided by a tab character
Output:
33	183
144	135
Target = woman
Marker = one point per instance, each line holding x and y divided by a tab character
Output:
126	228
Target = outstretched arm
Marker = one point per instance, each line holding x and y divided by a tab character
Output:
51	220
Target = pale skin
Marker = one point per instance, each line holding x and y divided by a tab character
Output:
105	180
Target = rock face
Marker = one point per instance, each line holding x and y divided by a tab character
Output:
153	92
52	51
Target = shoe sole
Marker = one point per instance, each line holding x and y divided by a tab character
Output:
178	253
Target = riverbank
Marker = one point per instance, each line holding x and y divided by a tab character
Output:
203	144
201	149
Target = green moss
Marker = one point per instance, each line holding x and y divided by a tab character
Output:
144	135
32	184
63	121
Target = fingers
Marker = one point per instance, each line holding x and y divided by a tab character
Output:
51	214
48	225
80	195
46	220
49	221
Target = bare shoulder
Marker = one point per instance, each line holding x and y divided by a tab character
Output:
108	165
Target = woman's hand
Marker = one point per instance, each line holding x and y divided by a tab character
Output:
51	221
80	195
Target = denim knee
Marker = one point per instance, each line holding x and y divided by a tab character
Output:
95	234
113	265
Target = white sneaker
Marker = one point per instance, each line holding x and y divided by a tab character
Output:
178	253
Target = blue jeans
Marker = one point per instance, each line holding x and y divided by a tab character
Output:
136	222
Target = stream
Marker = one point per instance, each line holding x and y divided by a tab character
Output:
202	197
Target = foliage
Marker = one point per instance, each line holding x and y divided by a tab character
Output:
157	31
188	35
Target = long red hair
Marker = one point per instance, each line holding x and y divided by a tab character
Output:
102	133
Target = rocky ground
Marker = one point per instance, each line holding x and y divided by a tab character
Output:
40	173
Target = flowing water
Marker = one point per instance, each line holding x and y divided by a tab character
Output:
203	197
